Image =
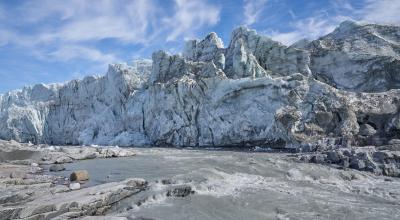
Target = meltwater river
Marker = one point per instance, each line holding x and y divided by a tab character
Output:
244	185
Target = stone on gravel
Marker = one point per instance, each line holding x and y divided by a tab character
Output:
56	167
74	186
79	175
63	159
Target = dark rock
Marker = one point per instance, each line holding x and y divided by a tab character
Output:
347	153
56	167
357	164
381	156
308	148
319	158
390	170
323	118
166	181
333	156
345	162
181	191
305	158
367	130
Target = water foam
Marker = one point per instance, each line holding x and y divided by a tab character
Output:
219	184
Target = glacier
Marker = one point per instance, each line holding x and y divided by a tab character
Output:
343	87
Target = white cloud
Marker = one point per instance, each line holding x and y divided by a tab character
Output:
342	5
89	21
191	15
319	24
76	23
70	52
309	28
67	30
382	11
252	10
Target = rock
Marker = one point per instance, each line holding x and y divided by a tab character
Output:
56	167
34	164
345	162
367	130
390	170
181	191
394	141
18	174
95	200
74	186
319	158
90	156
357	164
323	118
358	65
381	156
166	181
137	183
79	175
63	159
333	156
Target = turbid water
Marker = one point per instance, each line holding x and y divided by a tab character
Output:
244	185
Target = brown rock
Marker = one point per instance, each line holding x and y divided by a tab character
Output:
79	175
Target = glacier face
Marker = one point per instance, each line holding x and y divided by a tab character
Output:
256	91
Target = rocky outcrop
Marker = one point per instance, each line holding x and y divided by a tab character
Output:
27	154
66	204
384	160
357	57
256	91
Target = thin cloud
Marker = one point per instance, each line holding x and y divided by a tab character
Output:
84	21
70	52
309	28
382	11
191	15
252	10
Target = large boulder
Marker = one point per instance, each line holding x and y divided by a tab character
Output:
56	167
79	175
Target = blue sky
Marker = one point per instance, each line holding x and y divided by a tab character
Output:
46	41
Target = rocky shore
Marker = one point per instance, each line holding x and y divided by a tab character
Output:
27	193
380	160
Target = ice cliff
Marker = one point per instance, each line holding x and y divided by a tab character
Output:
344	86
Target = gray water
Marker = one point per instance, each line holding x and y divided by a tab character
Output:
244	185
